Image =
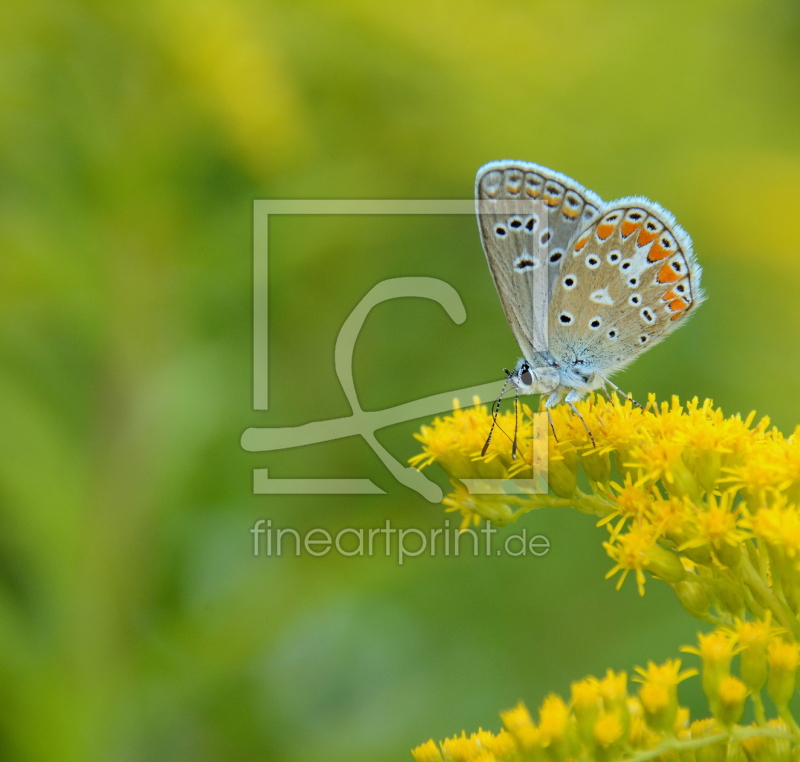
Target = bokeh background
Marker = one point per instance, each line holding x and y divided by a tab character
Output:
135	623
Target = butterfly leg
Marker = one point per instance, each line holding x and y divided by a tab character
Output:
552	401
570	400
619	391
552	425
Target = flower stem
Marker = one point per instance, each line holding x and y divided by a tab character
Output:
737	734
754	581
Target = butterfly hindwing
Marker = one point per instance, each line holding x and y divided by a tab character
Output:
628	280
529	217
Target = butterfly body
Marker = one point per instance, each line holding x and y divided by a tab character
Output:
586	285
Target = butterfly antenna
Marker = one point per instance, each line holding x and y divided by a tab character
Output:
516	425
495	411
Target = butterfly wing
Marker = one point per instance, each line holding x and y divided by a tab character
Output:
629	279
529	217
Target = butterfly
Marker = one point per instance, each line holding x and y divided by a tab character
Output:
586	285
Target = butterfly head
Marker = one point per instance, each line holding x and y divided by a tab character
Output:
529	380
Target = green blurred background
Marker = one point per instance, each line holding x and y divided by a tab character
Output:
135	623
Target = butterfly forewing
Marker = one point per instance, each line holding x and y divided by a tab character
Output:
629	279
529	218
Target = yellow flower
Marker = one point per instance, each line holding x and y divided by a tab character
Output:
631	502
553	719
518	723
427	752
753	638
586	706
622	726
659	692
637	551
778	525
719	526
732	693
607	730
696	495
663	461
717	650
474	508
783	660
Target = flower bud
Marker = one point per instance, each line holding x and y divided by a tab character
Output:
562	474
664	564
730	599
728	555
682	482
692	596
700	555
597	466
708	467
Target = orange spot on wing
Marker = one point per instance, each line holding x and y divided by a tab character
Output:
667	275
551	200
676	315
628	226
604	231
581	243
676	305
657	251
570	213
645	236
669	296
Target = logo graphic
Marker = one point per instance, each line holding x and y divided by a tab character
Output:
365	423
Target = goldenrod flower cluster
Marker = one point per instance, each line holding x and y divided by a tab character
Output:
602	721
704	502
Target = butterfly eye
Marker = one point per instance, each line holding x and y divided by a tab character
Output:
526	377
